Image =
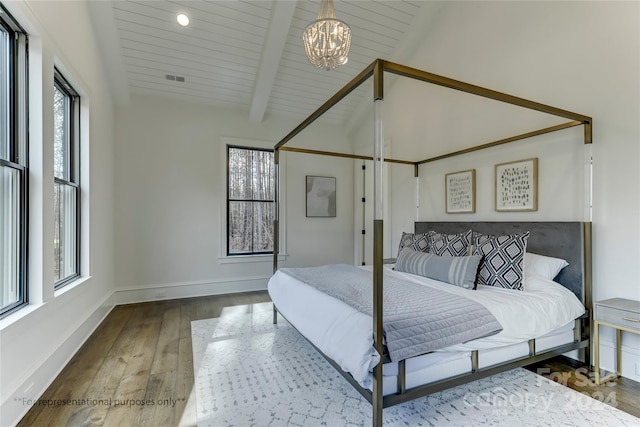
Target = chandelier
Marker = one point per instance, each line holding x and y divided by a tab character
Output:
327	40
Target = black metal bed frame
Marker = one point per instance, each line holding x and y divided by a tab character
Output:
377	70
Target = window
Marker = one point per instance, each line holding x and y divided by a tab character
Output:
250	200
66	107
13	164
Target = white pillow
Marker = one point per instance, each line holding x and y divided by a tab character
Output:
545	266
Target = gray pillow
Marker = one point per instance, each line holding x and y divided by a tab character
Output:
460	271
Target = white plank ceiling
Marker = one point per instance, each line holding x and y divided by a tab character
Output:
249	54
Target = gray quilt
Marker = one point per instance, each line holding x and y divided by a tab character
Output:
416	320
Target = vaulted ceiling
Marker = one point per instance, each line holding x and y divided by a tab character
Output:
248	54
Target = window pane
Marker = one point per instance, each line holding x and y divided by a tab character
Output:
61	134
250	227
240	162
251	174
9	236
263	179
20	95
64	244
263	216
4	95
240	227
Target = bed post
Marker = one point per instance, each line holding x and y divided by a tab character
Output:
378	233
416	175
588	238
276	217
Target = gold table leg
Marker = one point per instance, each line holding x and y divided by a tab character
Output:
618	368
618	352
596	351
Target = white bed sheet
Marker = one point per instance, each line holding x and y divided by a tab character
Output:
346	335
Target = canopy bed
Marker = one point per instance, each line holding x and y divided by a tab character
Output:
387	375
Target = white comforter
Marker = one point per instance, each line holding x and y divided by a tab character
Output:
346	335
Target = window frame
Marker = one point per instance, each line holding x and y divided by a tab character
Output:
72	163
230	200
18	144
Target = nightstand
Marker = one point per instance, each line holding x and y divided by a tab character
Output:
620	314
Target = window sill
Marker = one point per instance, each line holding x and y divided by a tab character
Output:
71	285
238	259
18	315
27	309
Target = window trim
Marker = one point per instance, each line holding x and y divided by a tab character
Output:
228	147
73	162
18	150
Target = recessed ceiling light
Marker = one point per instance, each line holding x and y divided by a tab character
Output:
183	19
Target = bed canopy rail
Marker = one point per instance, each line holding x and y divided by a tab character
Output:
376	70
550	129
379	66
424	76
350	156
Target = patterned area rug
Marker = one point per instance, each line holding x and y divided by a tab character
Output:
249	372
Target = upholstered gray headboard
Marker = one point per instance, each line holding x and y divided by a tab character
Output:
557	239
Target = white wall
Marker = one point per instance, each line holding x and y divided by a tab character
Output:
580	56
318	241
37	341
169	197
170	205
560	179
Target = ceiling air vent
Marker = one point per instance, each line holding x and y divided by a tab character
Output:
174	78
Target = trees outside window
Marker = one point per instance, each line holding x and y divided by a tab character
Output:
250	200
66	108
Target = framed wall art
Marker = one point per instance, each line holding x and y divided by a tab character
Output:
516	186
460	191
321	196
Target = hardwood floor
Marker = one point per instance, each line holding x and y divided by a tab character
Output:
621	393
141	354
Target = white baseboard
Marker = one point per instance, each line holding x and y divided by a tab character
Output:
190	289
15	406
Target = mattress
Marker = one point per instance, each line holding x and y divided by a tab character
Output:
345	335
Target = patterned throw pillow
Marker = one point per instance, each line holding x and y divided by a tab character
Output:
417	242
460	271
450	244
502	263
